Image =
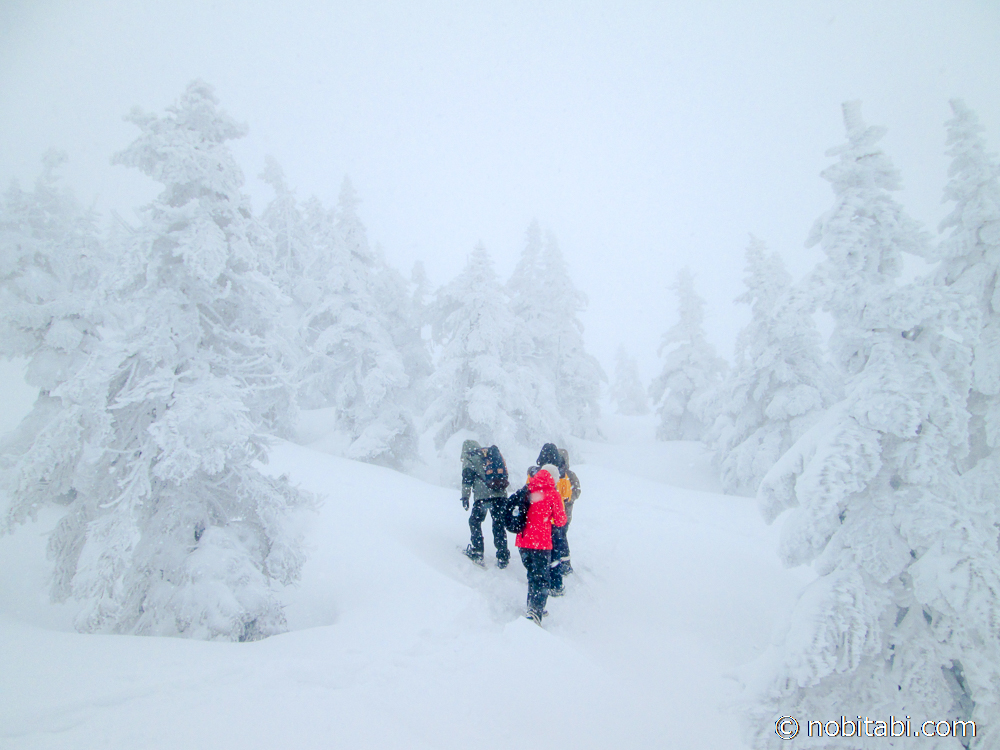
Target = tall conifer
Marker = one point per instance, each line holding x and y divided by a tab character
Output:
907	585
690	371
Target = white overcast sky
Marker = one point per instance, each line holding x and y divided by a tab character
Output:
646	136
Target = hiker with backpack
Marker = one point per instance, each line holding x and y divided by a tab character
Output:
484	478
534	542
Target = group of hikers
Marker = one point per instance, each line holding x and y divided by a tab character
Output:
539	513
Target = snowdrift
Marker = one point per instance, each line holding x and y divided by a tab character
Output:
397	641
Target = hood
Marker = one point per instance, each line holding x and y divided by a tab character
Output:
542	481
467	460
548	455
564	455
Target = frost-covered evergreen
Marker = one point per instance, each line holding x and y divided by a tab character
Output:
351	361
482	382
902	618
971	260
578	374
525	284
547	308
154	443
779	382
51	265
292	260
51	294
691	368
627	391
401	309
310	285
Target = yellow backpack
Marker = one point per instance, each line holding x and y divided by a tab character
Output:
565	488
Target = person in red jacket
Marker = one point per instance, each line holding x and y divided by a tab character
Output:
535	542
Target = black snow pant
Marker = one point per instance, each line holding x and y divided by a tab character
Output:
536	562
564	556
560	553
476	517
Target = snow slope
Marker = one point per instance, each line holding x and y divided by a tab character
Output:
398	641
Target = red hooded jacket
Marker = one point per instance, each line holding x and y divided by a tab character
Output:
542	514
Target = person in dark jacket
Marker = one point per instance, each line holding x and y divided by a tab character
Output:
485	500
535	542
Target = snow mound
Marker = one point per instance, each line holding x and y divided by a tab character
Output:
397	641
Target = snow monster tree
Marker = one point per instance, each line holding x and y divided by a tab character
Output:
907	585
155	442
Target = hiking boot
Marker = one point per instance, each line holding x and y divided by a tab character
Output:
502	562
476	557
557	592
535	617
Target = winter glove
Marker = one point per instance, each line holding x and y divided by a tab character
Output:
465	503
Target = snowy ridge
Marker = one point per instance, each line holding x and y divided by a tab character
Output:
397	641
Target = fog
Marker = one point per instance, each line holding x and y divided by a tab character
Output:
244	430
645	137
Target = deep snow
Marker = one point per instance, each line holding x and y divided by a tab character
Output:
397	641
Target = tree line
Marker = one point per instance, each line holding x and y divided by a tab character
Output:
878	451
167	354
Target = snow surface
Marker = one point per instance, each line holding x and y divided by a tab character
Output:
397	641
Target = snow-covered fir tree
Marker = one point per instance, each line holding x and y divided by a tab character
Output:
351	360
482	383
524	290
51	294
401	308
779	382
171	528
371	398
547	305
336	284
52	260
627	391
525	284
293	256
303	264
907	586
690	371
578	374
970	256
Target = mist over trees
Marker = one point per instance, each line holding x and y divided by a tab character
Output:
482	384
168	356
779	382
690	371
627	391
168	353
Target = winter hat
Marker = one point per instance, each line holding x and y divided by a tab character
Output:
548	455
553	471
